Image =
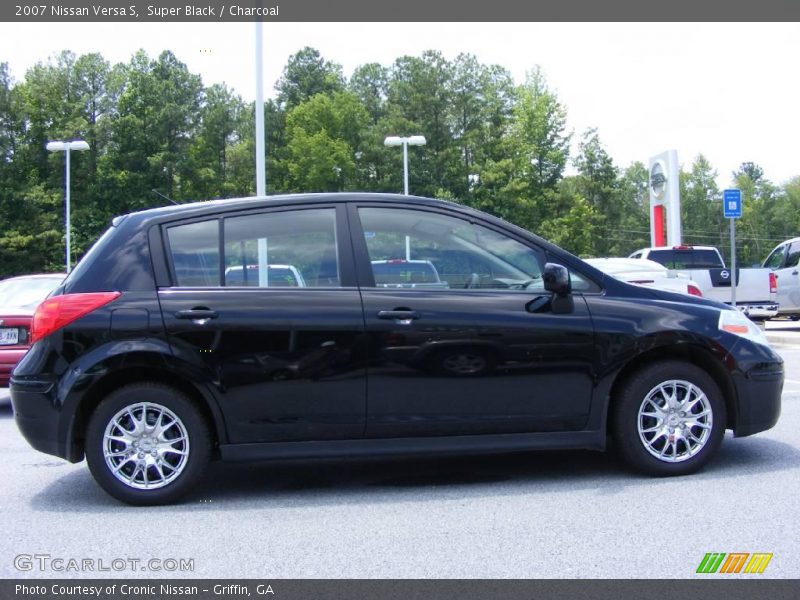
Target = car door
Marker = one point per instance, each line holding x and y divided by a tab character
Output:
284	354
476	348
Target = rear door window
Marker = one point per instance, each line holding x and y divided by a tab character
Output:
293	248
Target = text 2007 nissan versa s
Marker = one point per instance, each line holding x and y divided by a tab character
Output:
151	360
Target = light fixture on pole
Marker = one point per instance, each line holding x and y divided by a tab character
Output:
60	146
405	142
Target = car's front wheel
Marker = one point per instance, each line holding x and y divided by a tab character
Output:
147	444
668	419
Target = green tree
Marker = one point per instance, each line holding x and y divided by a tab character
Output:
481	106
539	136
324	134
305	75
597	184
761	202
218	130
158	112
420	98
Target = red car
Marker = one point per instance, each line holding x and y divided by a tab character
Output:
19	297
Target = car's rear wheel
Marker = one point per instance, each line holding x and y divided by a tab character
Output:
147	444
668	419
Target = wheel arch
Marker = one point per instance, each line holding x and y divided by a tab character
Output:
691	353
120	377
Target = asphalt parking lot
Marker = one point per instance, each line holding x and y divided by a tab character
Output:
532	515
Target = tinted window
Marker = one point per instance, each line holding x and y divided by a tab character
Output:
282	249
686	259
775	260
195	253
705	259
410	248
793	255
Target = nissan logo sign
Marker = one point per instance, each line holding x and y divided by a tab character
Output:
658	180
724	274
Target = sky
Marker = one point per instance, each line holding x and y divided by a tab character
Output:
728	91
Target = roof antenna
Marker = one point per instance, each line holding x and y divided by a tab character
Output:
156	192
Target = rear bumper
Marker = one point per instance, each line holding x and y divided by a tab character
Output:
759	311
9	357
37	417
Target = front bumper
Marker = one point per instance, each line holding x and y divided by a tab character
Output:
759	398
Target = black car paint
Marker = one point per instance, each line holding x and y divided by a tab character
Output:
309	372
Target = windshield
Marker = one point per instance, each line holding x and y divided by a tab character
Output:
26	292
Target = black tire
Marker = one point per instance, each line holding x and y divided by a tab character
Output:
189	434
672	431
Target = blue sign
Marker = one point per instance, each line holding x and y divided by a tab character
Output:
732	203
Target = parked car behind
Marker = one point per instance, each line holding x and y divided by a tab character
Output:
756	288
784	261
403	273
647	273
277	276
19	297
146	363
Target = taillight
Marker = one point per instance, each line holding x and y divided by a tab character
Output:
693	290
59	311
773	283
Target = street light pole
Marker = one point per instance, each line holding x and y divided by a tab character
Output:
405	167
413	140
261	171
66	147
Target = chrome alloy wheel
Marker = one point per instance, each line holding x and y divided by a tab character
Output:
464	364
675	421
146	446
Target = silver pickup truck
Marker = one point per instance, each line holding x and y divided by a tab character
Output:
756	289
400	273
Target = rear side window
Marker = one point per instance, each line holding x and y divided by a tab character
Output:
195	253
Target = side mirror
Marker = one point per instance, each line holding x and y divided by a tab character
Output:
556	280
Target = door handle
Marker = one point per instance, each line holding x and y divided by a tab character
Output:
197	314
794	272
399	315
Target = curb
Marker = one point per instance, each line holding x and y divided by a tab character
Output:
783	340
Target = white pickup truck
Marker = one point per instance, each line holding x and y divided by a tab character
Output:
756	289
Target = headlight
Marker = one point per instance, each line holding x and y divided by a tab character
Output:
736	323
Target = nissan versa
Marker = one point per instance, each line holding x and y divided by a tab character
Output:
389	325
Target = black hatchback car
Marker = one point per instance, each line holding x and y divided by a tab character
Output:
150	364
